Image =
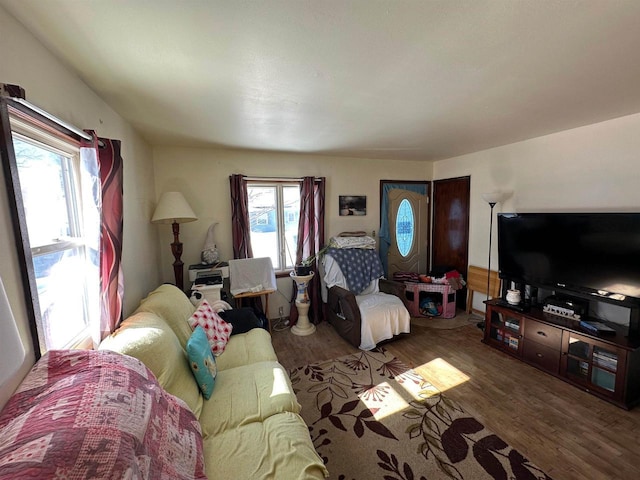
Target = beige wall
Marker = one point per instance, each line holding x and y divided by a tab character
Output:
202	175
50	85
592	168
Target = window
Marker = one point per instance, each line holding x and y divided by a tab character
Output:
63	234
274	210
290	216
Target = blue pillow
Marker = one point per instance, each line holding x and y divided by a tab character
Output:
202	361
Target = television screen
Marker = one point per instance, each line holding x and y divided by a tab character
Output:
592	253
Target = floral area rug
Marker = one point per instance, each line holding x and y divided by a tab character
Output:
372	417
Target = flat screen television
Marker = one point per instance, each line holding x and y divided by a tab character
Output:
587	253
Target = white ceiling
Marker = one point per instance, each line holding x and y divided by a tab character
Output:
390	79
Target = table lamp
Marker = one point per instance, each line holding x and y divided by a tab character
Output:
173	209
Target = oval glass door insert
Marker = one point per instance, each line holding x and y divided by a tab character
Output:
405	227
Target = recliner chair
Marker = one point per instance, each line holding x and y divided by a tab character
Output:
375	314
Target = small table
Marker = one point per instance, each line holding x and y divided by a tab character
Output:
266	294
303	326
448	307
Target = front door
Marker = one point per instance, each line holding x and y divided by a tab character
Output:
408	221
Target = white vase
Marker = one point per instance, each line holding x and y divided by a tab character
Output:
513	297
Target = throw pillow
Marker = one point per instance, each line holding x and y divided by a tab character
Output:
242	319
218	331
202	361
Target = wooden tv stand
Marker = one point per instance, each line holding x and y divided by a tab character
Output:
607	366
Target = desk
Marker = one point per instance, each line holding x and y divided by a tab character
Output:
448	307
266	294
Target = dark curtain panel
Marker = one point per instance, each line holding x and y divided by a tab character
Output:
109	200
111	276
310	241
240	227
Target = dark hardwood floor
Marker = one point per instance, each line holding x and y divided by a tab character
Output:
567	432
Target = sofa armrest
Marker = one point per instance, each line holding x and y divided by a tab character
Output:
344	314
394	288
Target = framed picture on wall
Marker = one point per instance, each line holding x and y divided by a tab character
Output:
353	205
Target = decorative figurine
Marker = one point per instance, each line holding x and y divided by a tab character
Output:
210	254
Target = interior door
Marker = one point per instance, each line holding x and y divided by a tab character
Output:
408	221
451	227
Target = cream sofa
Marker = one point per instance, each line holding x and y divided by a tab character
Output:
251	425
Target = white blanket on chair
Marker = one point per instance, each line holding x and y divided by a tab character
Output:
383	316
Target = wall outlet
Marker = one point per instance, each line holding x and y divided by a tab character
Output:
281	311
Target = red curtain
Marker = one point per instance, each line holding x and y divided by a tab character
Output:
240	226
108	199
310	240
111	277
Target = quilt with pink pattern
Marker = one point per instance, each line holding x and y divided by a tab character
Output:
83	414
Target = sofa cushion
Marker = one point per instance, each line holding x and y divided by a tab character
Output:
218	331
246	394
247	348
172	305
279	447
202	361
147	337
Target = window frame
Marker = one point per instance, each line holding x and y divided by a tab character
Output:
76	240
279	186
14	113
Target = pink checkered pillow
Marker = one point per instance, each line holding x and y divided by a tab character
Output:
218	331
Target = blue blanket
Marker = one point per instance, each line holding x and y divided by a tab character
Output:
359	266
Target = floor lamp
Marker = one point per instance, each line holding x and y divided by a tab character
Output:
492	199
173	209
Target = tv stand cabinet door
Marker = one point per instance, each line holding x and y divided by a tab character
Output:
596	366
504	329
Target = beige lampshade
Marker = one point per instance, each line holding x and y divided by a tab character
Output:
171	208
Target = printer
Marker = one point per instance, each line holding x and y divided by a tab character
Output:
220	268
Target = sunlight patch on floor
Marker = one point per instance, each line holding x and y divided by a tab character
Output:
442	374
392	401
427	380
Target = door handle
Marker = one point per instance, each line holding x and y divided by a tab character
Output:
542	334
